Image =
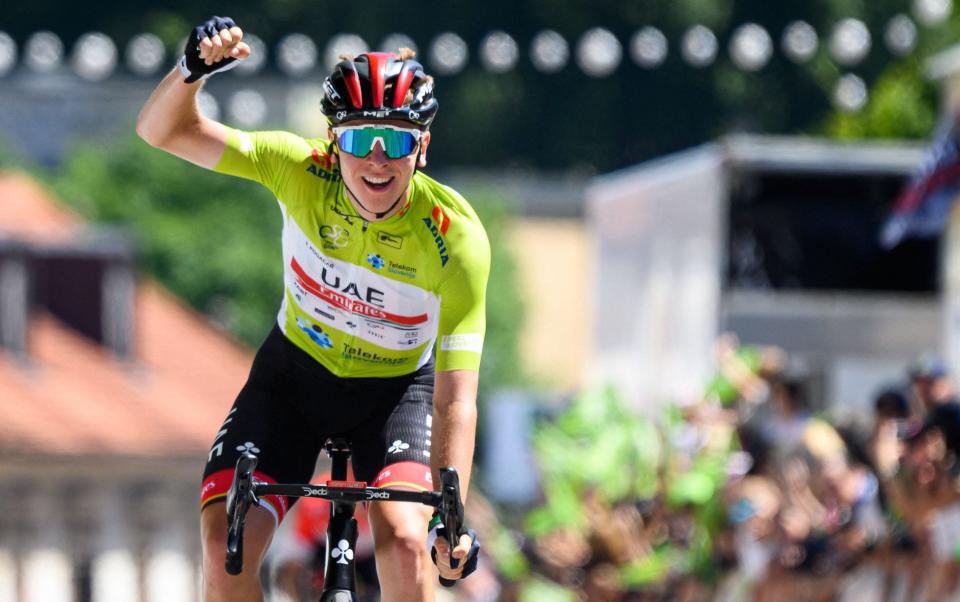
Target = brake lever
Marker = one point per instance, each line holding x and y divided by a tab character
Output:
451	513
239	499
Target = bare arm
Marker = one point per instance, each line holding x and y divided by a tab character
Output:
171	120
454	423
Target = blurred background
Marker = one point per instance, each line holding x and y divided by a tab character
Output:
723	315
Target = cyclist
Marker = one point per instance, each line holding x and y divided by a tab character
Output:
381	324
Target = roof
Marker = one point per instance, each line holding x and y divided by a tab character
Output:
778	154
27	212
72	396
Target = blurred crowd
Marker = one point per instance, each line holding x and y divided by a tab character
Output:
750	493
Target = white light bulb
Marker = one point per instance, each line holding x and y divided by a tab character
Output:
699	46
549	51
599	52
800	41
648	47
850	93
498	52
751	47
448	53
296	54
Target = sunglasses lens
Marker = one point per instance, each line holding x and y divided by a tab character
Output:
359	142
400	144
350	142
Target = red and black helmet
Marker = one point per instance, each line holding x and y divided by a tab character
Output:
375	85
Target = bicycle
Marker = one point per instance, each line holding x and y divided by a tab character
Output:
339	583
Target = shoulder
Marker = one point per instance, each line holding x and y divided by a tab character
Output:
449	211
279	144
453	226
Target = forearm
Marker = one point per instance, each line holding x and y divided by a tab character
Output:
454	432
171	106
171	120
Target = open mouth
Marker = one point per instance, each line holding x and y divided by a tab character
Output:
377	183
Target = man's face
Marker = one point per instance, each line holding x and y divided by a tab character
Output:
377	180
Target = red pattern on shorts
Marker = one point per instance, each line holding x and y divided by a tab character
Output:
410	476
216	486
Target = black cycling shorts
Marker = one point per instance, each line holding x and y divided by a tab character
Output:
291	404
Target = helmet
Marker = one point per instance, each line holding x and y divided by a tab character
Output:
375	85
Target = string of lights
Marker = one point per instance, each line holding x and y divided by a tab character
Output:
597	52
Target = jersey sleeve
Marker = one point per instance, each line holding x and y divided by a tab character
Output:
265	157
463	305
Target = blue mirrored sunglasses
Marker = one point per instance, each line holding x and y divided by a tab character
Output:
359	141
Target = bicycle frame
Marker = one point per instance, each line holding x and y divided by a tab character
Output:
339	582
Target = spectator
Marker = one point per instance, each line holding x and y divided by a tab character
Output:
934	389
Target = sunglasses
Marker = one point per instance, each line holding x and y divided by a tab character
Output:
360	140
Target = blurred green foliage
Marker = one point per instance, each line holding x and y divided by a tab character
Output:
902	105
215	241
903	101
501	364
597	445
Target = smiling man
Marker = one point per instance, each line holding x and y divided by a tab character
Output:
380	328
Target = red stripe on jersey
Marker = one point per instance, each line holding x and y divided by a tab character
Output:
334	297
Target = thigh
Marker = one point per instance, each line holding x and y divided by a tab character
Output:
399	437
263	422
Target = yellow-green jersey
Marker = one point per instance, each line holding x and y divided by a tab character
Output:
374	298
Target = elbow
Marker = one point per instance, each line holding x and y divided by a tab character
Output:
148	134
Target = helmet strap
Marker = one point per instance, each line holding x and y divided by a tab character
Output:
377	215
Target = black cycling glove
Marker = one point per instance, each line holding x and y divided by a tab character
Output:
191	65
470	562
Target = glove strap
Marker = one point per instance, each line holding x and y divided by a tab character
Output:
188	75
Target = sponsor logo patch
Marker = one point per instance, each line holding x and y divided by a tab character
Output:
322	158
390	240
334	237
323	174
316	334
402	270
443	220
462	342
356	353
438	223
